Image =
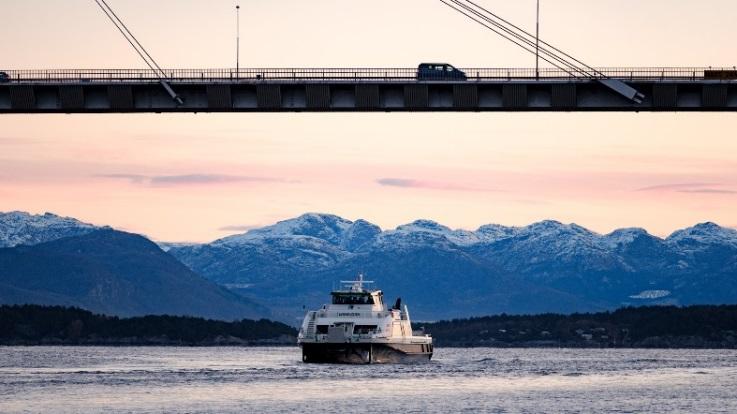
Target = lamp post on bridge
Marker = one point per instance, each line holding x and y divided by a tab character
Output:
537	42
238	41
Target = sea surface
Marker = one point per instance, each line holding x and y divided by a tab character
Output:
274	380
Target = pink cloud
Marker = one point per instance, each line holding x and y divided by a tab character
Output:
187	179
429	185
695	188
675	187
708	191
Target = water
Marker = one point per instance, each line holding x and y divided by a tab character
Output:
246	380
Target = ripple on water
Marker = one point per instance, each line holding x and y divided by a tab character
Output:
69	380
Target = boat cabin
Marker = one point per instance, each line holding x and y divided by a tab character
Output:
357	298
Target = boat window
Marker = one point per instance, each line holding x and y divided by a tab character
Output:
364	329
322	329
352	299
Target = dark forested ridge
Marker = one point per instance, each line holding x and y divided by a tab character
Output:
53	325
114	273
645	327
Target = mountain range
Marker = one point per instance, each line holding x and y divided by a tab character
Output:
444	273
441	273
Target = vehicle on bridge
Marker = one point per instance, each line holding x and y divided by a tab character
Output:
720	74
4	77
439	71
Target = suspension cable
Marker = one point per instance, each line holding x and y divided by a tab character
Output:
535	37
120	29
506	37
133	37
521	38
140	50
530	43
524	39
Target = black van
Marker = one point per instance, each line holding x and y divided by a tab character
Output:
720	74
4	77
439	71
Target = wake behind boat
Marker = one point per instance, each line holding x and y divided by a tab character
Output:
357	328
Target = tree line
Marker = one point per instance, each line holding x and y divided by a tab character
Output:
33	324
642	327
648	327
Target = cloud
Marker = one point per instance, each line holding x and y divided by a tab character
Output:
202	179
187	179
237	227
399	182
692	188
708	191
429	185
675	187
133	178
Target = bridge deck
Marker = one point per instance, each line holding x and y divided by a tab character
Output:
362	89
351	74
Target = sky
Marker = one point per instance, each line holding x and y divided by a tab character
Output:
198	177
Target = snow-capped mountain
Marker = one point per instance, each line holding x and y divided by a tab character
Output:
546	266
444	273
328	228
703	236
52	260
20	228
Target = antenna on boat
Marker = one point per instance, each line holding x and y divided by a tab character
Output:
356	285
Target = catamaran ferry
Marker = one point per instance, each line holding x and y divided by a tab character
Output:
357	328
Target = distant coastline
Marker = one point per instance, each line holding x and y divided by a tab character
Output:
696	327
56	325
693	327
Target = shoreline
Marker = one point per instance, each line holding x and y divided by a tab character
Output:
294	345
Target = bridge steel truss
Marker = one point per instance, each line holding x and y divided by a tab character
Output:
360	90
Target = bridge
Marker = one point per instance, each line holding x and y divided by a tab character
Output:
364	90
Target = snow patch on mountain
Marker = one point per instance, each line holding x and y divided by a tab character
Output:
327	227
702	236
21	228
490	233
360	234
625	236
166	246
459	237
651	294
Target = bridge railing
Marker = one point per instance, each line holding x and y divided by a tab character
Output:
345	74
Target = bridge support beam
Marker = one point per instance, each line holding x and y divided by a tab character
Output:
346	96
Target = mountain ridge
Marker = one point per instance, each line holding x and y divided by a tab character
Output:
569	267
21	228
117	273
